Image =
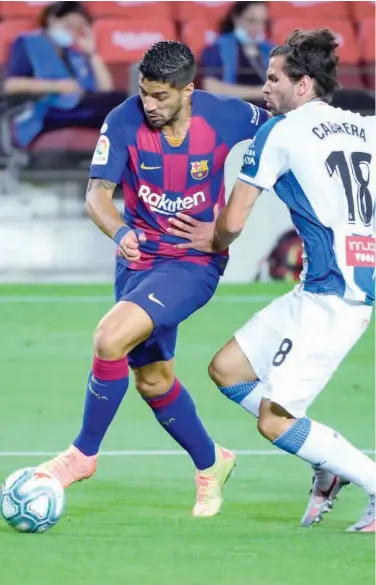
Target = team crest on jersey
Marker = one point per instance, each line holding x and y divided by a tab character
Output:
199	169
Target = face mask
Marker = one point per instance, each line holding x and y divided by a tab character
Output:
245	39
61	36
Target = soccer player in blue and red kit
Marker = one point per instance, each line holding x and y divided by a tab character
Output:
166	147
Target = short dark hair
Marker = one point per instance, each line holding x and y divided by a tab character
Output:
169	62
227	24
312	53
61	9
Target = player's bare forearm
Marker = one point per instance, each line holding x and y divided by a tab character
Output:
100	207
223	237
233	217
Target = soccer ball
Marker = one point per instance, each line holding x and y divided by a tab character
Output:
31	500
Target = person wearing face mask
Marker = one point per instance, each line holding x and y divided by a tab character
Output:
236	63
59	63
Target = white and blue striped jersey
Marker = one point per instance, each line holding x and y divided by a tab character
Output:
321	161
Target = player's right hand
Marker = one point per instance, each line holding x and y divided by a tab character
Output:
129	245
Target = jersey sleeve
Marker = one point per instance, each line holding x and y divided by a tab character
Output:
257	118
111	153
266	157
248	118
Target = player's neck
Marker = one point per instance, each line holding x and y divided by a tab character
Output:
177	130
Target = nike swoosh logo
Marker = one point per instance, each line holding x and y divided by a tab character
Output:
145	168
152	298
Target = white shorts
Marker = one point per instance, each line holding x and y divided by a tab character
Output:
298	341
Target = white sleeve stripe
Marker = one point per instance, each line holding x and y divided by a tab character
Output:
245	179
256	114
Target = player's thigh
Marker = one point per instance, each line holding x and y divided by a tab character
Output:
127	324
155	378
322	331
159	347
124	327
230	365
172	291
260	337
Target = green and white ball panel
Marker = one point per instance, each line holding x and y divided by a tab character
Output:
9	508
31	500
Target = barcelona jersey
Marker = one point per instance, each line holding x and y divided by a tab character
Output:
158	180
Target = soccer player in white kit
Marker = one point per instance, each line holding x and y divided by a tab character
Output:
320	161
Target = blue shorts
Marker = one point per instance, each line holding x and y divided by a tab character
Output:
169	293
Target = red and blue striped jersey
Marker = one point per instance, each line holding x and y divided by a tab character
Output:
158	180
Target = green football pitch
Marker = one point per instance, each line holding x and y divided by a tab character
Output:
131	524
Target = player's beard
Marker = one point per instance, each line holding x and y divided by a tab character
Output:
155	124
283	109
286	104
161	122
281	102
174	117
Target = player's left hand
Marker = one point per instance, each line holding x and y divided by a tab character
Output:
199	233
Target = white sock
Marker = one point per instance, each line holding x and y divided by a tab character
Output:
247	394
323	447
251	403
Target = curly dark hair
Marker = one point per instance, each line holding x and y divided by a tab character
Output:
169	62
312	53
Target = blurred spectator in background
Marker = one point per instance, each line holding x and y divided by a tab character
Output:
285	261
236	63
60	63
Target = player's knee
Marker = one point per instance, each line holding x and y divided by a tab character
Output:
213	372
266	425
219	370
106	346
273	420
153	384
230	366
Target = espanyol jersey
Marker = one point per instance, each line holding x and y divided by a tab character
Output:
321	161
159	180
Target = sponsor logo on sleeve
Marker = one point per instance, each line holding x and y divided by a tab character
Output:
101	151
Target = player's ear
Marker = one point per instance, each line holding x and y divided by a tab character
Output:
188	90
305	85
